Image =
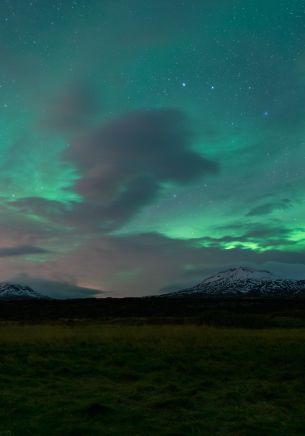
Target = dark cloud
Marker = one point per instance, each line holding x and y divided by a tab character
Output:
267	208
123	167
250	229
42	206
125	163
156	142
261	231
72	109
265	235
57	289
21	250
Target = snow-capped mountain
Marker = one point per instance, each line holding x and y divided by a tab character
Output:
12	291
244	281
234	274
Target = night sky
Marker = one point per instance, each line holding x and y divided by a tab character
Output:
146	144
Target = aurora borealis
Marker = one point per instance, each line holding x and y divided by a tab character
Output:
147	144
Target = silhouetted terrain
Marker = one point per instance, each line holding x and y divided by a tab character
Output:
243	312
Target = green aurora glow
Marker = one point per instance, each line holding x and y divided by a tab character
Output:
236	69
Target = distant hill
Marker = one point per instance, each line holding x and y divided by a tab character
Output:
243	281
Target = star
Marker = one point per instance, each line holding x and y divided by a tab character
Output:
183	84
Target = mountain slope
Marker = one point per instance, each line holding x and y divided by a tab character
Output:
12	291
244	281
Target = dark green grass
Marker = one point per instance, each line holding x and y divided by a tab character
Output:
151	380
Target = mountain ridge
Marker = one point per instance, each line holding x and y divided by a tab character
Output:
243	281
14	291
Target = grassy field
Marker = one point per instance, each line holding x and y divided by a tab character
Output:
151	380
